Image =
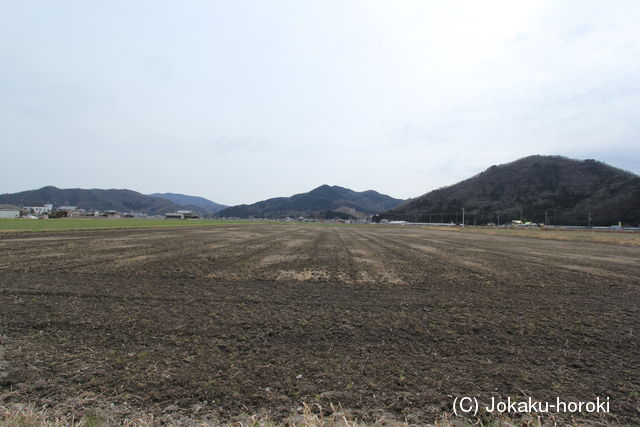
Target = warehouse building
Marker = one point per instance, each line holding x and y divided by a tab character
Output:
9	211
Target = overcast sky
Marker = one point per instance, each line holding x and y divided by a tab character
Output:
238	101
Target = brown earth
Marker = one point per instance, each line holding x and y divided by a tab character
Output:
257	319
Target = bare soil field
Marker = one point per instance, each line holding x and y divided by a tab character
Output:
395	322
626	237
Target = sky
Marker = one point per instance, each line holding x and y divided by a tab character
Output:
238	101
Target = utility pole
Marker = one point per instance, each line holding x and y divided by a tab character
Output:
463	217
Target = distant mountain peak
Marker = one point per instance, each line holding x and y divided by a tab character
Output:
200	203
322	201
561	189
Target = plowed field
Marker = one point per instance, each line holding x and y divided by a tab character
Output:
257	319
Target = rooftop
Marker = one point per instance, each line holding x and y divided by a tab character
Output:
5	207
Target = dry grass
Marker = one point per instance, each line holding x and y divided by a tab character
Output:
19	415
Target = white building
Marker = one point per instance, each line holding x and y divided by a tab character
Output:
9	211
174	215
39	210
181	214
188	214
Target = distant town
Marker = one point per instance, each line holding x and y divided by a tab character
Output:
49	211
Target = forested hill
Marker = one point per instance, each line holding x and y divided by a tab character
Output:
322	202
567	189
197	202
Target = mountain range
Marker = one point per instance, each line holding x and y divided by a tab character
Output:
121	200
544	189
193	201
322	202
536	188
